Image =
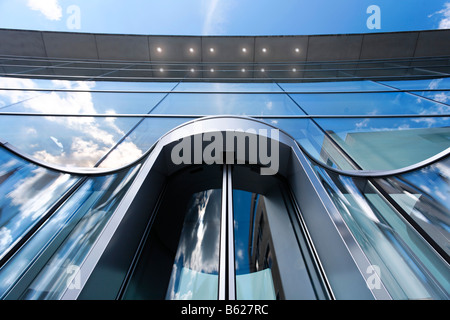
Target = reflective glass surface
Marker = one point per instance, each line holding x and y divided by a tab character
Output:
238	104
312	140
28	192
424	194
87	85
338	86
82	102
272	259
368	104
140	140
67	237
407	265
253	248
440	83
389	143
179	257
432	84
68	141
227	87
196	266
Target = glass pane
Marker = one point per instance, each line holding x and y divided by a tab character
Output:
82	102
441	83
68	236
313	140
272	260
368	104
389	143
140	140
196	266
19	83
406	264
28	192
338	86
239	104
227	87
179	258
254	280
432	84
424	194
67	141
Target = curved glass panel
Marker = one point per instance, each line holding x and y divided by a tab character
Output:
424	195
67	141
196	266
389	143
230	103
65	239
179	257
368	104
28	192
407	265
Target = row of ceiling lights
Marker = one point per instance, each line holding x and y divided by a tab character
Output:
242	70
191	50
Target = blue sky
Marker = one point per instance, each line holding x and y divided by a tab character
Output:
222	17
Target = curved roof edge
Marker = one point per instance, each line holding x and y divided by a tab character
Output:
277	49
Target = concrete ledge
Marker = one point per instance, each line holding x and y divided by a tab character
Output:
227	48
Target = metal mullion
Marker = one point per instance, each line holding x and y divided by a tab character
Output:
230	231
227	270
222	290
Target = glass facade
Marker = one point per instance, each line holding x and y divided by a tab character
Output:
378	148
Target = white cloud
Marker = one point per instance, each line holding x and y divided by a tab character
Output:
216	13
125	153
444	23
5	238
89	138
49	8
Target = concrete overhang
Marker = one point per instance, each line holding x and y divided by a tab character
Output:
234	56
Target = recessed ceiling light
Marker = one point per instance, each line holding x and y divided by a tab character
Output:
159	49
297	50
294	70
211	49
191	49
192	70
264	50
262	70
243	70
244	49
212	69
161	70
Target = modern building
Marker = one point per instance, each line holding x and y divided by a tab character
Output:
171	167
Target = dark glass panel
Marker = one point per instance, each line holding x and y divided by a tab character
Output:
64	240
28	192
424	194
